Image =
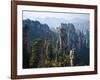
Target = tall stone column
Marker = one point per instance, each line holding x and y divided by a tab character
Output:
72	57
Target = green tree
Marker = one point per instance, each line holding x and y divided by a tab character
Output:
48	50
37	51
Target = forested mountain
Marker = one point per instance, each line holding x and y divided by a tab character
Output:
33	30
53	22
43	47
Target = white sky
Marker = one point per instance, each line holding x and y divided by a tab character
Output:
33	15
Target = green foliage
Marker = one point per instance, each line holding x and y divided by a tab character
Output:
62	61
50	56
66	60
36	50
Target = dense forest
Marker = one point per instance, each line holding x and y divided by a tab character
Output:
65	46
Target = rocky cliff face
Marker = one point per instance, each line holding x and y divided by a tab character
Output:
71	35
36	29
69	38
31	31
62	41
58	42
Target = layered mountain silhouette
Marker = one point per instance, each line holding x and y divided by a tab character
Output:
72	38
